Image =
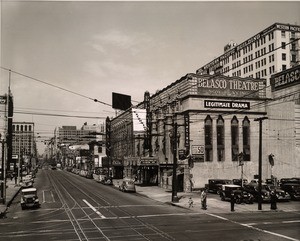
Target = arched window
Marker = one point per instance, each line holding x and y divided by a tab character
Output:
208	138
220	138
246	139
234	138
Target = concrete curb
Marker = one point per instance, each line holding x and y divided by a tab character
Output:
8	203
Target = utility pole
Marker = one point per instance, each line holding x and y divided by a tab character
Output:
174	179
260	161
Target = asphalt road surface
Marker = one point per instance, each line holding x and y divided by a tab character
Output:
76	208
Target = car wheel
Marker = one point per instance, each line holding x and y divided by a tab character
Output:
238	201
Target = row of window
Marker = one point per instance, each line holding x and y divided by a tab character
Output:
22	127
235	150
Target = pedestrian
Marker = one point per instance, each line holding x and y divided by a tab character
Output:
232	201
273	200
203	197
191	202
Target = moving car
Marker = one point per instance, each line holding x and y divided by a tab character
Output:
127	185
240	195
29	198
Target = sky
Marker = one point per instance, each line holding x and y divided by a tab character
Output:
64	54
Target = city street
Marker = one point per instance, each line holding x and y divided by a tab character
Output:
76	208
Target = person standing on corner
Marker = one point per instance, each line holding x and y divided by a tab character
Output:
203	197
273	200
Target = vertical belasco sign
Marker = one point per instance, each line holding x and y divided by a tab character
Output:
286	78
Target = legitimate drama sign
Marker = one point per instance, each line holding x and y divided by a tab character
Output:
226	104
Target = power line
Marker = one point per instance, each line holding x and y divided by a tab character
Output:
55	86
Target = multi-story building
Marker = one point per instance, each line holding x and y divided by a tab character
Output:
23	144
216	113
69	143
272	50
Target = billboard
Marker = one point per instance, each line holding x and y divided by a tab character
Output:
120	101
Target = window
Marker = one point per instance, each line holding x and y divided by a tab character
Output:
283	67
283	56
283	45
208	138
293	58
283	34
234	138
246	139
220	138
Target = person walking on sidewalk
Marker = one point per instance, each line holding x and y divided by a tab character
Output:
203	197
191	202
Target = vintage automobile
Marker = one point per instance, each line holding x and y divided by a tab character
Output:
27	181
280	194
29	198
293	189
107	181
240	195
239	182
127	185
253	189
215	185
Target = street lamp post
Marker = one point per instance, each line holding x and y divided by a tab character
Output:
174	179
260	161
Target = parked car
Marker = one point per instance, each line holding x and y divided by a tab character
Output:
27	181
240	195
29	198
239	182
215	185
293	189
127	185
107	181
280	193
253	189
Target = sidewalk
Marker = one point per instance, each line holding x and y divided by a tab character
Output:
11	191
214	203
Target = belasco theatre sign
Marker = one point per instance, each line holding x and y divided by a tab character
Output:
229	87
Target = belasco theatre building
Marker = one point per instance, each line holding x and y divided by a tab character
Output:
217	131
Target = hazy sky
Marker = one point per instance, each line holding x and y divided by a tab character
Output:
96	48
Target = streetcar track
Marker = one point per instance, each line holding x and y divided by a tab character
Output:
134	217
88	216
68	211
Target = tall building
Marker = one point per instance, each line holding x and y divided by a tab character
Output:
214	116
268	52
23	143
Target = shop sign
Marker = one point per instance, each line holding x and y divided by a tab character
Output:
228	87
286	78
226	104
148	162
198	150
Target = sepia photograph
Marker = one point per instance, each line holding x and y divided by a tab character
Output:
149	120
